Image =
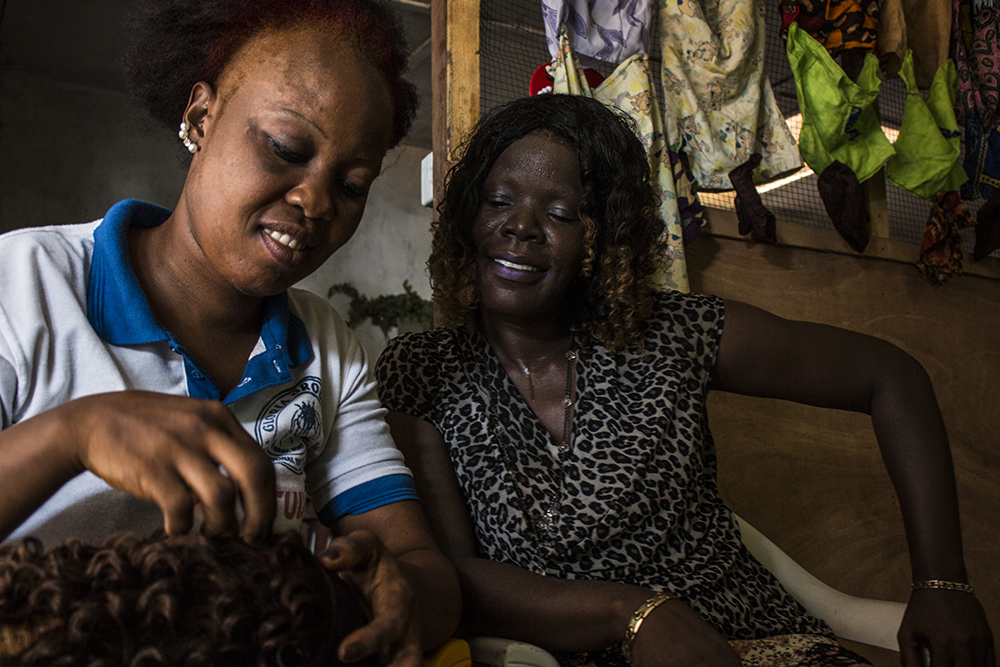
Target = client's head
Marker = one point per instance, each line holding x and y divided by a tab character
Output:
181	600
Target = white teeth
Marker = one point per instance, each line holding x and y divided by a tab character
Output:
512	265
285	240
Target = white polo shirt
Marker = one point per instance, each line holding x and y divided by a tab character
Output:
74	322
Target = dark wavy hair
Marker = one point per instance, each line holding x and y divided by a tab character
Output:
182	600
176	43
623	239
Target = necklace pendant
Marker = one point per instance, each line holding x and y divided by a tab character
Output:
547	522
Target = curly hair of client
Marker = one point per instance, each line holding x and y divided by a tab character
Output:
178	600
624	242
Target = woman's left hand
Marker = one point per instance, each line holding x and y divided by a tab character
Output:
362	560
951	625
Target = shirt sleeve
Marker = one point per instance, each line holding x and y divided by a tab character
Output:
359	468
8	374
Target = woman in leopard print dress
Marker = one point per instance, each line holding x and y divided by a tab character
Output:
558	433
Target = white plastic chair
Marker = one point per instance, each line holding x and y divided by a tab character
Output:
864	620
858	619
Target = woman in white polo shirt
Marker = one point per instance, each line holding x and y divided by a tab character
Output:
158	368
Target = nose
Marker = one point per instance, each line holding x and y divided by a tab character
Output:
524	224
312	196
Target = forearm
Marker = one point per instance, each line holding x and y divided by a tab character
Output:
556	614
436	590
914	446
35	464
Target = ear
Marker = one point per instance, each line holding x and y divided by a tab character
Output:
200	108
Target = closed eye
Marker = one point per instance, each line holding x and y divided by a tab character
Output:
562	216
353	190
285	153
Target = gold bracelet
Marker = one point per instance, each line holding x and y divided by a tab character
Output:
943	585
644	610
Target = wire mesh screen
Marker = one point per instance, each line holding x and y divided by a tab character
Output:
512	46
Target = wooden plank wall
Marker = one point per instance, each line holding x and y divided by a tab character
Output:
811	479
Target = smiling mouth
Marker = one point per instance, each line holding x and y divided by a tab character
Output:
516	267
286	240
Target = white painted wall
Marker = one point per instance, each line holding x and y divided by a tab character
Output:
392	244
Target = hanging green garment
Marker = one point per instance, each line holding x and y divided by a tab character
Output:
929	144
838	121
628	89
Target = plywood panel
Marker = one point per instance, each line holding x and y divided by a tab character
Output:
812	480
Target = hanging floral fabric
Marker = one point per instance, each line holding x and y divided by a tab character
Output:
610	30
839	25
628	88
719	105
929	144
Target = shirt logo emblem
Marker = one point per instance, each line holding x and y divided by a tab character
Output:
289	426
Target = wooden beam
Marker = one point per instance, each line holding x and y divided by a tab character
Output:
724	224
454	80
454	48
463	71
878	207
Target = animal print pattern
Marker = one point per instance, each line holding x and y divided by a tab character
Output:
635	497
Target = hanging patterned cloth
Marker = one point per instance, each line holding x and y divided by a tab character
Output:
941	251
719	105
839	25
609	31
628	88
975	31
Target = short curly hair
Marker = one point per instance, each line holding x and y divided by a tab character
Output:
623	239
182	600
176	43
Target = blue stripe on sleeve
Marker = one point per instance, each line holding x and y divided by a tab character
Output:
369	496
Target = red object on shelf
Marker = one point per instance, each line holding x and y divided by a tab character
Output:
541	82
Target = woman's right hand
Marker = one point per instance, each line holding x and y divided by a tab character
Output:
675	635
178	452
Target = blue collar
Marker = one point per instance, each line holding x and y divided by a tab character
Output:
120	314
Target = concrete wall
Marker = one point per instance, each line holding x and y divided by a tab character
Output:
70	151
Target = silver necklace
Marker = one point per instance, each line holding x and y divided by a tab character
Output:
540	528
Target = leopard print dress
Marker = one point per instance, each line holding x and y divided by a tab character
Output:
633	499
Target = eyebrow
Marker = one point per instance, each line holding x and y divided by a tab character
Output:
306	119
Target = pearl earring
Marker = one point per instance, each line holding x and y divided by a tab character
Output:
188	144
